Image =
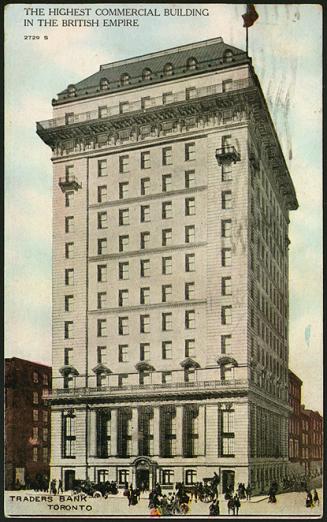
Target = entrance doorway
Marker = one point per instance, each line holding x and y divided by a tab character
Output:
228	480
142	478
69	479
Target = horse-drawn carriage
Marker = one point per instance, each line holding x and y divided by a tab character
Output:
93	489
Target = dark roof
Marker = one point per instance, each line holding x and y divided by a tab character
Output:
209	55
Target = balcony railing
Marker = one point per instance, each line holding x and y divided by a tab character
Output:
69	183
138	106
227	153
145	388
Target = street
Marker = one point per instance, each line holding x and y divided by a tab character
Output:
27	503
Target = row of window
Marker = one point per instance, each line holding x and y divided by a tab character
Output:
38	456
45	416
44	431
37	377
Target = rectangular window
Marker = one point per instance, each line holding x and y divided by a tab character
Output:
102	246
145	160
167	265
102	193
167	321
35	415
123	270
166	293
68	355
145	295
166	349
145	267
228	436
226	171
102	327
167	155
45	379
189	262
123	216
167	477
189	291
35	454
123	243
145	213
69	303
145	186
226	343
226	285
123	326
69	250
123	476
226	314
190	234
35	398
69	224
101	354
189	319
166	236
166	182
68	329
68	436
167	97
144	352
102	220
102	300
103	112
166	210
123	164
123	189
189	178
189	206
190	92
166	377
190	348
226	257
123	297
226	228
102	168
45	416
123	107
226	199
45	435
123	353
144	324
144	240
69	198
35	377
69	276
102	273
145	102
189	151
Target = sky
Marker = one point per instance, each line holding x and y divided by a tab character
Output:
285	44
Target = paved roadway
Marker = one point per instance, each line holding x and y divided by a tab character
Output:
32	503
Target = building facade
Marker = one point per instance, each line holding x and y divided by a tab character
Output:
311	441
27	421
171	200
294	423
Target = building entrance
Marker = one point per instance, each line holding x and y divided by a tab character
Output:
69	479
228	480
142	478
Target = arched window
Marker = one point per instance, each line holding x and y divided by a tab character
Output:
124	79
71	90
228	56
147	74
191	64
168	69
104	84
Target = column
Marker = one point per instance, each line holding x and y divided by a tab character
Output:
201	430
135	431
156	431
113	432
93	433
179	431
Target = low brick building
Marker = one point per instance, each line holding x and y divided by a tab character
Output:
294	422
27	421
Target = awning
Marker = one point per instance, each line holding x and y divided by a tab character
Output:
101	368
189	363
144	366
67	369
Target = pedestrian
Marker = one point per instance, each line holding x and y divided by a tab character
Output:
248	491
231	506
237	503
60	489
315	497
214	508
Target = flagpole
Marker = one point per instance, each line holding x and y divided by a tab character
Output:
247	39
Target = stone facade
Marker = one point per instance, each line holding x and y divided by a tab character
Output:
171	202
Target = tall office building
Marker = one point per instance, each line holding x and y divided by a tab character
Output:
171	200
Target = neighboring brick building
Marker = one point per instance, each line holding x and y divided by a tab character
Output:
311	440
27	421
294	422
171	200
